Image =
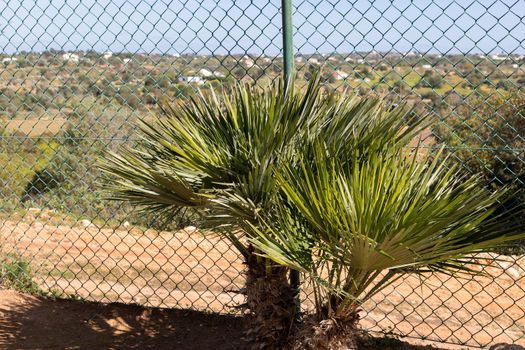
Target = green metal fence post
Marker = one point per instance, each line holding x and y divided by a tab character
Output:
288	62
288	55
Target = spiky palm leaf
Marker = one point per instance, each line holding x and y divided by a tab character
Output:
388	214
193	154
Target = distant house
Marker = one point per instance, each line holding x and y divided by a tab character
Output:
426	66
248	63
340	75
333	59
70	57
191	79
205	73
498	57
126	60
313	60
9	59
108	55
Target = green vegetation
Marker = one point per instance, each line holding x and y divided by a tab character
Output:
59	111
321	183
16	273
193	156
489	141
57	171
354	226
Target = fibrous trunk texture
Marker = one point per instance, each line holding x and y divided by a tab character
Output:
270	299
328	334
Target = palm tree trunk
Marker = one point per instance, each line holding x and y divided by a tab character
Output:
328	331
270	299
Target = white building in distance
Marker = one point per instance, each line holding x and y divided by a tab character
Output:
340	75
9	59
70	57
247	62
205	73
191	79
498	57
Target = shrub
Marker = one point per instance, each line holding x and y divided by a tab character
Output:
15	273
431	80
486	137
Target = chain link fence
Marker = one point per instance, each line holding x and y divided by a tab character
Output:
74	76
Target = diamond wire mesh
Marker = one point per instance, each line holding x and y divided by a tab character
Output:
75	75
463	62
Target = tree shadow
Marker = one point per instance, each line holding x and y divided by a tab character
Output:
28	322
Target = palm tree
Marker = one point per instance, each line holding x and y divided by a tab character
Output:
216	154
356	224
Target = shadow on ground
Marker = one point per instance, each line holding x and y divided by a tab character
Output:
28	322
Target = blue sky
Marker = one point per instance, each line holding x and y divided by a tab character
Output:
205	26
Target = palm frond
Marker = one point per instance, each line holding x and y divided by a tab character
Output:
192	154
346	223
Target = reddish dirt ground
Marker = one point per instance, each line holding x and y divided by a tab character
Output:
186	270
28	322
34	323
36	127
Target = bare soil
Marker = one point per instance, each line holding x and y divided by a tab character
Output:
28	322
188	270
36	127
